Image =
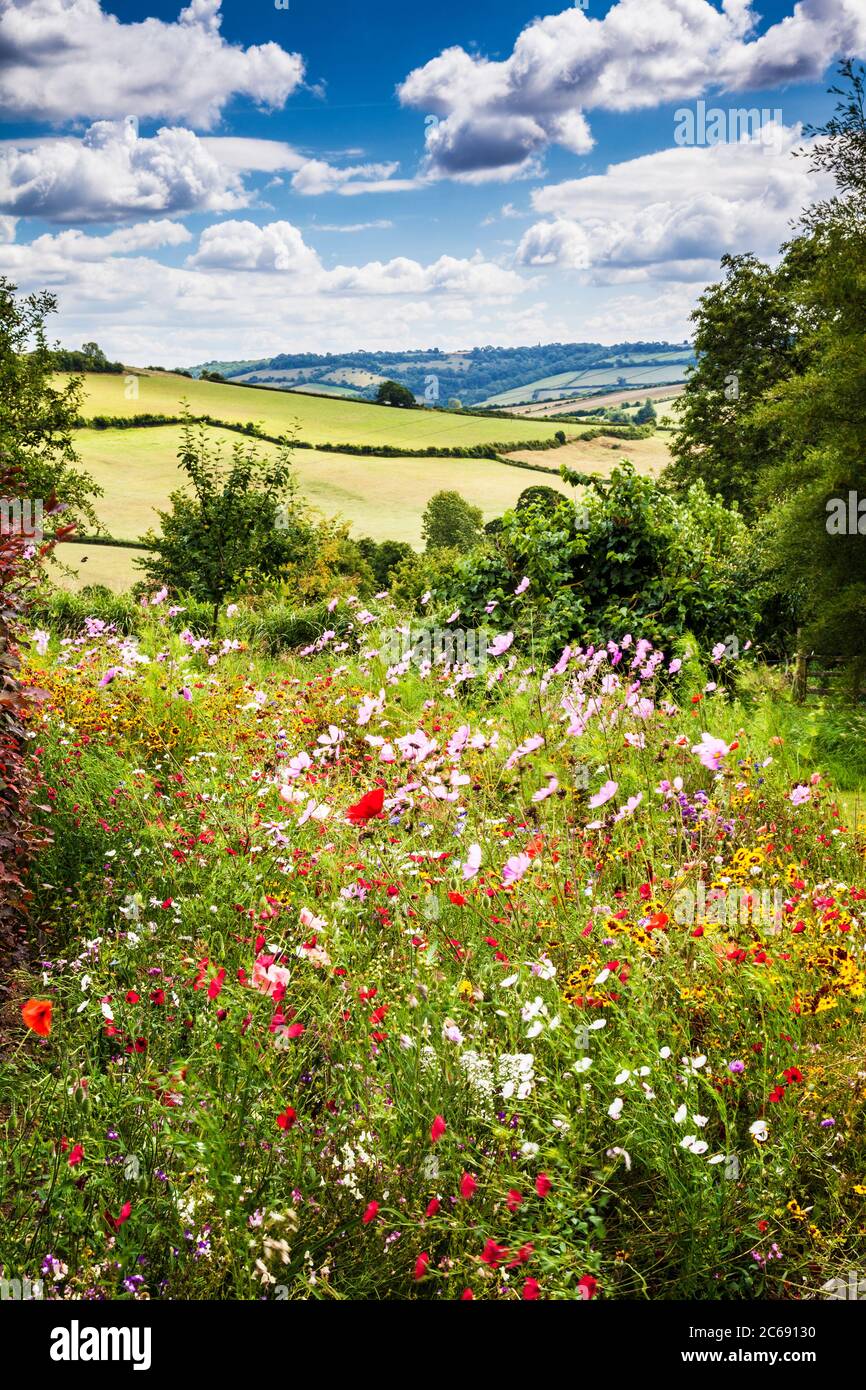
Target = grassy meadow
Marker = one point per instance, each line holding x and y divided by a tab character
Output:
317	419
381	497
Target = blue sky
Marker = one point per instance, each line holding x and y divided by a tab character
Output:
234	180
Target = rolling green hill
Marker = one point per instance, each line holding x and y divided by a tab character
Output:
317	419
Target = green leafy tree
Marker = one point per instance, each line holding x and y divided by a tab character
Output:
234	528
817	490
745	339
450	522
392	393
37	412
647	414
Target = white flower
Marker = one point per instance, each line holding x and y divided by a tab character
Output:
622	1078
450	1031
700	1120
582	1064
508	981
680	1115
615	1110
664	1052
759	1130
621	1153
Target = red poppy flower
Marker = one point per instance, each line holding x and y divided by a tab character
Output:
437	1129
117	1221
287	1119
76	1155
493	1254
468	1186
421	1264
371	1213
514	1199
531	1290
432	1206
587	1285
37	1015
543	1184
466	1296
794	1074
370	805
457	899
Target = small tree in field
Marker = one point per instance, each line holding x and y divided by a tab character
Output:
236	525
392	393
450	521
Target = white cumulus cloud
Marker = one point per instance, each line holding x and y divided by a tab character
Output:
68	59
495	118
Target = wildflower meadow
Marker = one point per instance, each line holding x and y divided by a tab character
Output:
428	981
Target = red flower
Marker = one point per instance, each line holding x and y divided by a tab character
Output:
776	1094
295	1030
793	1074
370	805
371	1213
457	899
437	1129
76	1155
514	1199
37	1015
132	997
531	1290
543	1184
215	987
493	1254
466	1296
432	1206
287	1119
117	1221
421	1264
587	1286
468	1186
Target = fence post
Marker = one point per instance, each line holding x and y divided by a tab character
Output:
801	673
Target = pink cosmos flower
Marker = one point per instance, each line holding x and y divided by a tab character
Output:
501	643
603	794
515	868
711	751
472	862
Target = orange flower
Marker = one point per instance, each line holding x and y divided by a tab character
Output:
37	1015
